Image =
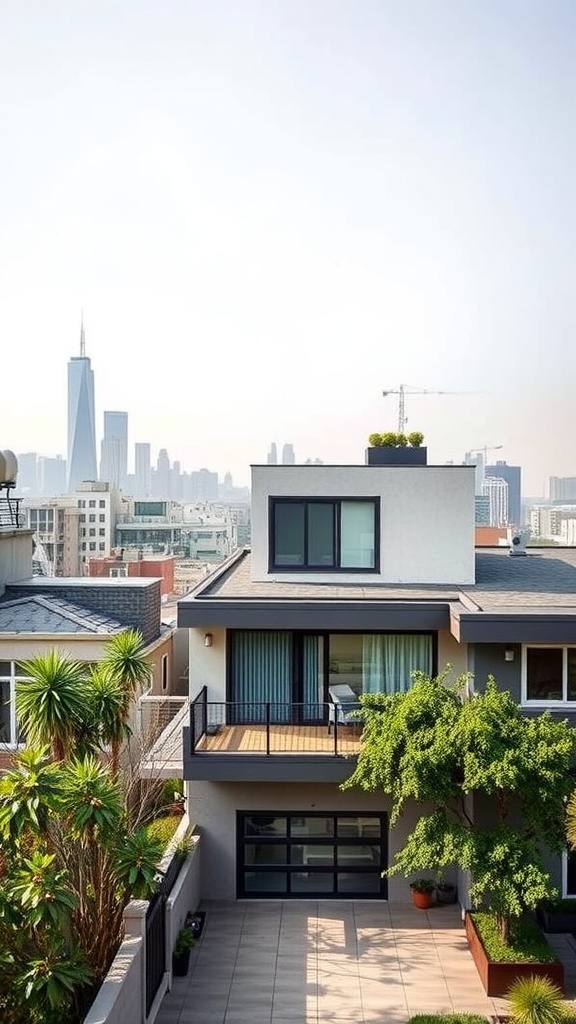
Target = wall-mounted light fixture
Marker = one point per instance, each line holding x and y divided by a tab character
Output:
508	654
208	640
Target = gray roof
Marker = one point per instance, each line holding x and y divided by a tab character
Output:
531	597
45	614
544	578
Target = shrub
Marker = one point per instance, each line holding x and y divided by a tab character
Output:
163	829
536	1000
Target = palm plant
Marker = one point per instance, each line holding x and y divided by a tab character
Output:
106	695
51	703
126	664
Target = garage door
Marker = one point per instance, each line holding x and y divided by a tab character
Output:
324	855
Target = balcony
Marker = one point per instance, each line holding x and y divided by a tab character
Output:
268	741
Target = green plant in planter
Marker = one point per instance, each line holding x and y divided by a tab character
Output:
184	942
423	885
390	439
536	1000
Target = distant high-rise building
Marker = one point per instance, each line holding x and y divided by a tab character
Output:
512	476
51	476
142	470
562	488
162	487
81	421
482	510
28	473
476	459
114	452
495	488
273	455
204	485
288	457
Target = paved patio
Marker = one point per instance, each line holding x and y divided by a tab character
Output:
320	962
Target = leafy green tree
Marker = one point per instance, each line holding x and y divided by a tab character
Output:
433	746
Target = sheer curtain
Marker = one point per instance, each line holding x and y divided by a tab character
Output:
389	660
261	673
313	677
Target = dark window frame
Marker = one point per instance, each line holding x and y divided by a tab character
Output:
290	840
336	502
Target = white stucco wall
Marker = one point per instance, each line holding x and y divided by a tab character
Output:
15	556
207	666
427	518
212	807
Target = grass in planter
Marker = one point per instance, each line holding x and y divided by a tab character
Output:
447	1018
163	828
527	944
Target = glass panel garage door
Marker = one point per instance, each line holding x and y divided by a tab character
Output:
327	855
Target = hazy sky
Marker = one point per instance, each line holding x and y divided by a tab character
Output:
270	211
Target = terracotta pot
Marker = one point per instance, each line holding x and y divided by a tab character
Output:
422	900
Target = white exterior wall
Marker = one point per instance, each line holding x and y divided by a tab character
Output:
212	807
207	665
427	519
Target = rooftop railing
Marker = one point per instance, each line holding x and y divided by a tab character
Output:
10	515
270	728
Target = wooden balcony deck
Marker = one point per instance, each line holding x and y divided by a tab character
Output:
284	739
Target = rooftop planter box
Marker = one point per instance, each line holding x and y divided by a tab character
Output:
383	456
497	975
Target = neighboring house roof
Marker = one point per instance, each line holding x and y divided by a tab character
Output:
40	614
514	599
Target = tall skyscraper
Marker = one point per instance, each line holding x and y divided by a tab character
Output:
273	455
81	420
114	453
288	456
142	470
512	476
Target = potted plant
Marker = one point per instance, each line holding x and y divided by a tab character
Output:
181	954
396	449
446	892
422	892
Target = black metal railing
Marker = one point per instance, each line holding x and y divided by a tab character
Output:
10	514
155	946
329	727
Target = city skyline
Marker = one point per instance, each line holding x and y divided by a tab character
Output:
273	213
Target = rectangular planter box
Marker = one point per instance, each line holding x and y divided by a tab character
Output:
396	456
496	976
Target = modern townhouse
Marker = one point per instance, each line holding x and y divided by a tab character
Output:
357	576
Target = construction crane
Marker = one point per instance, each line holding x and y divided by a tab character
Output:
405	389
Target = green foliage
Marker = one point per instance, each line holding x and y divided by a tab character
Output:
185	941
28	794
137	863
536	1000
423	885
163	828
415	439
447	1018
391	439
525	945
432	746
50	703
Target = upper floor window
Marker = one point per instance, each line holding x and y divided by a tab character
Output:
10	672
101	503
549	675
326	534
